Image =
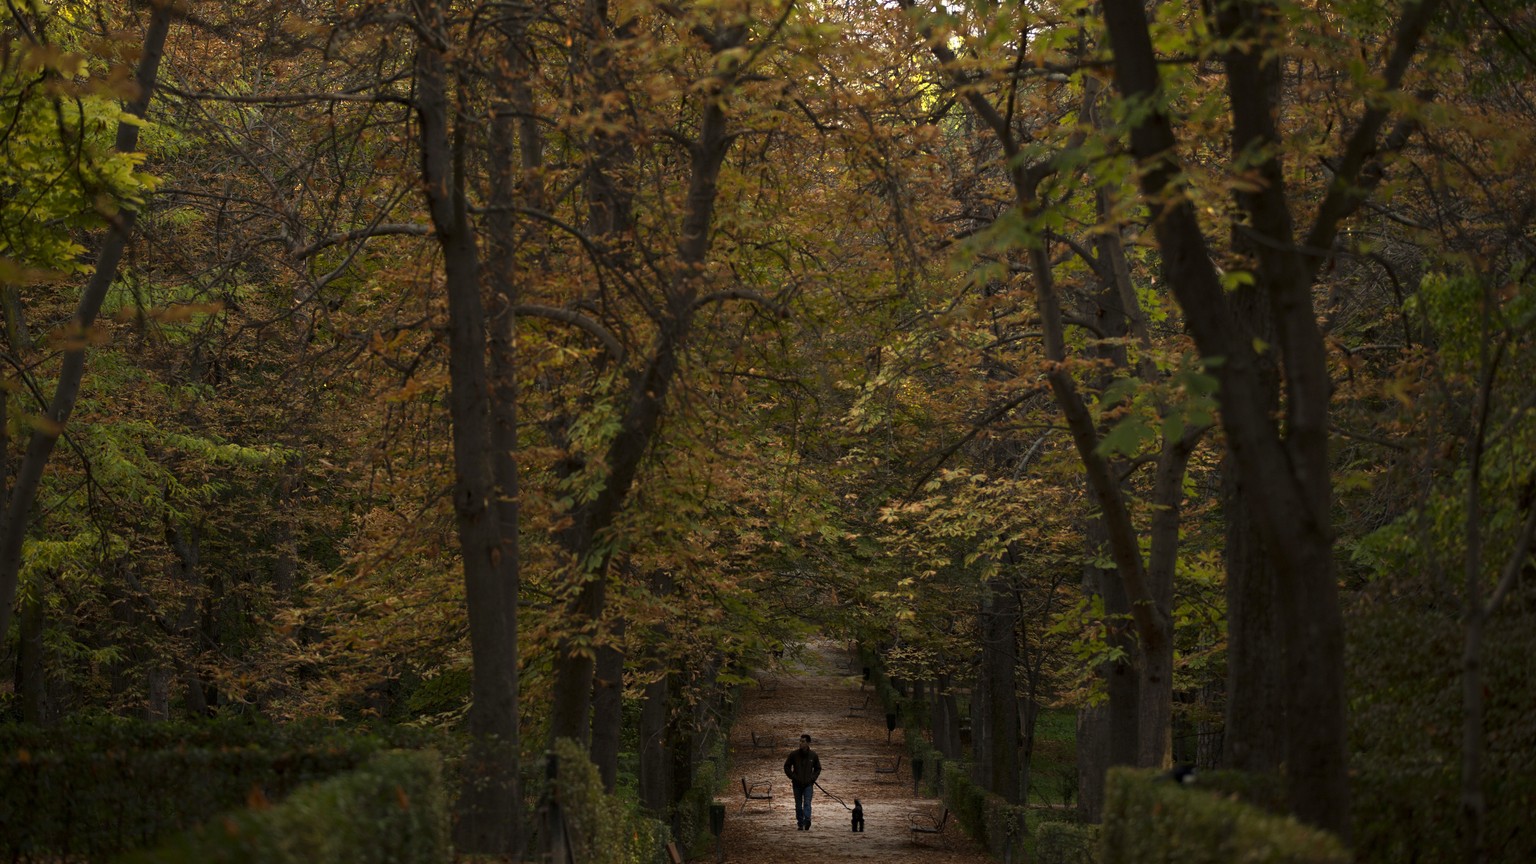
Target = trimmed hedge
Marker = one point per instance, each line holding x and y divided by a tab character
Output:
602	828
1149	818
1065	843
98	788
392	810
985	817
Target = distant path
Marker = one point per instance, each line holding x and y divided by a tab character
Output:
815	690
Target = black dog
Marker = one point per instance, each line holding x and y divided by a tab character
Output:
858	817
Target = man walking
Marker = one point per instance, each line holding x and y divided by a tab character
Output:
802	767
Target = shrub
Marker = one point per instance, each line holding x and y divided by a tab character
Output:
1065	843
1148	818
390	811
100	787
602	828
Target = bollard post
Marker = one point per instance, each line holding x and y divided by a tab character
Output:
717	828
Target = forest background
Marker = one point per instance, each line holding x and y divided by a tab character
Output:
529	370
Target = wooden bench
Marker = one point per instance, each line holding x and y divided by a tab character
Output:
892	767
758	790
759	742
858	710
922	822
767	686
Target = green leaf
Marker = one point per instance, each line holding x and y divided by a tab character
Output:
1127	437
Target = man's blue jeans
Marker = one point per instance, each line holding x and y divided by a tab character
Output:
803	806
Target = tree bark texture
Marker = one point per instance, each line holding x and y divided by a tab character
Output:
655	758
1155	698
946	719
999	754
608	710
490	775
1254	734
1290	467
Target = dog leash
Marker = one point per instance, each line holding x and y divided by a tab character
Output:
833	797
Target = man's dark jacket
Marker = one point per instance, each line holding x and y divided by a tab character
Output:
802	767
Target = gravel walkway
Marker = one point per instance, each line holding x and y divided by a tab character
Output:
814	692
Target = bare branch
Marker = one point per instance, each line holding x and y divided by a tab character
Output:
407	229
287	98
575	319
1515	563
777	309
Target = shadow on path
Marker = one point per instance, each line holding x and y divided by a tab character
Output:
814	694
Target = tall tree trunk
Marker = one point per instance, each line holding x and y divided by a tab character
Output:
1156	682
514	121
186	544
1254	736
157	694
655	711
655	758
946	719
490	774
31	686
1475	610
1092	761
13	528
608	709
1256	706
1112	730
1290	466
1000	759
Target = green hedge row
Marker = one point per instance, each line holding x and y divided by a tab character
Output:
95	805
96	788
1065	843
987	818
602	828
101	732
1149	818
392	810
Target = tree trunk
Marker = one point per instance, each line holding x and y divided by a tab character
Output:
1000	757
1254	737
186	544
13	528
1109	734
1092	761
1289	463
655	758
1256	706
16	333
31	685
488	798
608	709
157	695
1156	685
946	719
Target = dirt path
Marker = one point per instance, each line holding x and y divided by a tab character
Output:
813	694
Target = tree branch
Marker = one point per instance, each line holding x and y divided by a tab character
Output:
406	229
575	319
